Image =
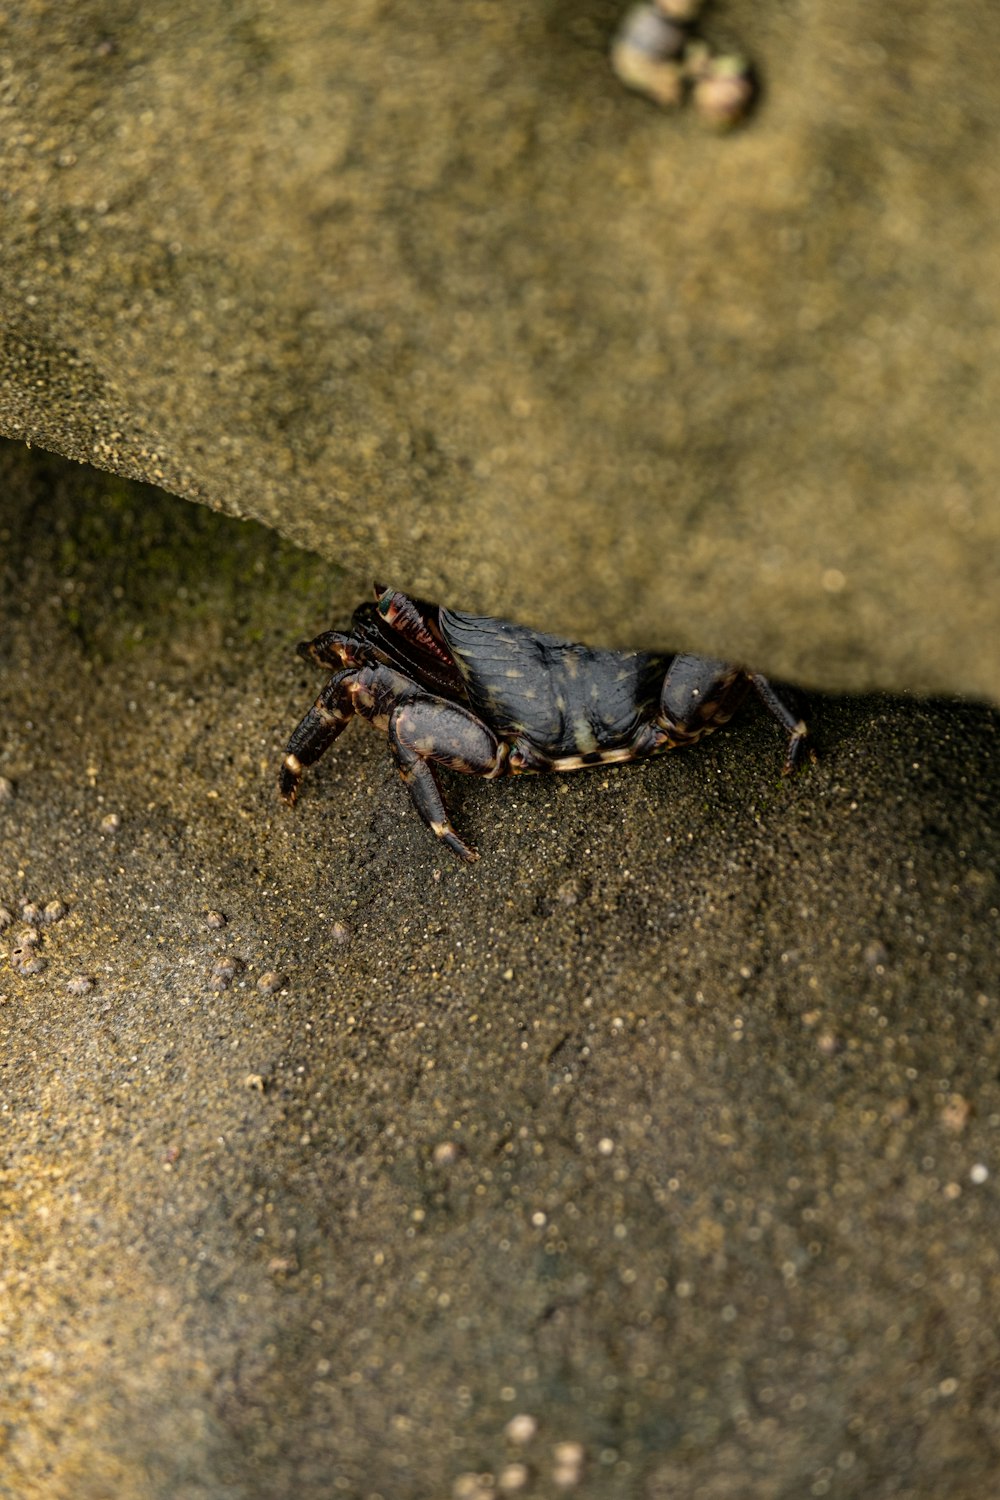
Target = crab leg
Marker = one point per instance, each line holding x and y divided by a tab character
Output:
426	730
328	717
781	707
331	649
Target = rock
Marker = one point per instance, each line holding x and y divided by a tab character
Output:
437	298
641	1131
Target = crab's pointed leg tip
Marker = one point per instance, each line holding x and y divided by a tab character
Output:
451	841
289	777
380	589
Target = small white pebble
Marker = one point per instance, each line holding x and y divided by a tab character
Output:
473	1487
606	1145
521	1428
215	919
54	911
110	823
566	1476
282	1265
513	1478
979	1173
568	1455
80	984
446	1153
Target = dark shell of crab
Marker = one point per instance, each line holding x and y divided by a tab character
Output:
568	699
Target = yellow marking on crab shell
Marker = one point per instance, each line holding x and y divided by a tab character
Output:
440	829
513	672
584	736
293	764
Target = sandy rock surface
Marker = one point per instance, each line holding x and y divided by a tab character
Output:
656	1155
431	294
671	1128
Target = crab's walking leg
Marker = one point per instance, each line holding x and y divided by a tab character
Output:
425	730
329	715
782	707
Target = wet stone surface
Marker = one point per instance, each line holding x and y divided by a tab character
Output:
658	1151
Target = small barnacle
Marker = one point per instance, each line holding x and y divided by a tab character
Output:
271	982
724	91
681	11
25	960
224	971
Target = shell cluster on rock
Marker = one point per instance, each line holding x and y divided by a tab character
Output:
657	52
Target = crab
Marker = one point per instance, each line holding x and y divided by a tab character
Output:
486	697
